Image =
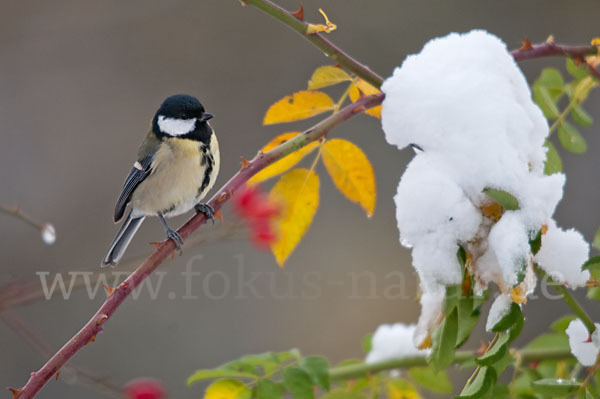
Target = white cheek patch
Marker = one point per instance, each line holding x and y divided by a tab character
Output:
176	127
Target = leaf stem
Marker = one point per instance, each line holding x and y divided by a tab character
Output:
359	370
330	49
569	300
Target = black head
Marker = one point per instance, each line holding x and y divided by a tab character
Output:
181	116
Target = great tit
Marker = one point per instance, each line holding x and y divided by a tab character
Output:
177	164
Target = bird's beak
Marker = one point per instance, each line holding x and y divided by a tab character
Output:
206	116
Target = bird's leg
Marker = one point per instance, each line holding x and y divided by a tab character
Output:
172	234
207	210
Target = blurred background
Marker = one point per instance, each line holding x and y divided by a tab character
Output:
79	83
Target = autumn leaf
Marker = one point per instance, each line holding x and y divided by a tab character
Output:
227	389
300	105
284	163
327	75
351	172
366	89
317	28
402	389
298	193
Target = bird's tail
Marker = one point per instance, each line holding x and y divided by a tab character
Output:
122	240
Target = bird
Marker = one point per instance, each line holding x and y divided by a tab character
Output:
177	165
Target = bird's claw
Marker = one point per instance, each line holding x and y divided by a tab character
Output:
207	210
177	240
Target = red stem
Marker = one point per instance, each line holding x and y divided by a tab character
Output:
164	250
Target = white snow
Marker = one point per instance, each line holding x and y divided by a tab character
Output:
393	341
48	233
431	312
466	103
562	255
499	309
583	347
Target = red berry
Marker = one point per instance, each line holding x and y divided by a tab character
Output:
145	388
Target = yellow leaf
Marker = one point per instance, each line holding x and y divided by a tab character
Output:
402	389
300	105
284	163
351	172
316	28
596	41
227	389
327	75
366	89
298	193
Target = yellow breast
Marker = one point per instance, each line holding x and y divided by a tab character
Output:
172	186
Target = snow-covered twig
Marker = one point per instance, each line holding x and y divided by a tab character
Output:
46	229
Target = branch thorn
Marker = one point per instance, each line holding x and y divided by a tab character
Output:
245	163
526	45
299	13
16	392
109	290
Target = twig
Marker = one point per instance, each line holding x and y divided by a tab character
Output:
336	54
163	251
17	213
25	292
362	369
15	323
551	49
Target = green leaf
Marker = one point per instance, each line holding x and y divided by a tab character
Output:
453	294
593	293
543	98
549	341
461	254
367	343
583	88
576	71
467	319
298	383
267	389
501	364
550	78
536	243
431	380
591	263
509	319
553	162
227	389
560	325
507	200
596	242
495	353
478	301
570	138
444	341
486	377
516	328
580	116
555	387
318	369
217	373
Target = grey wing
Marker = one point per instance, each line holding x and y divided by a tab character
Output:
137	175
